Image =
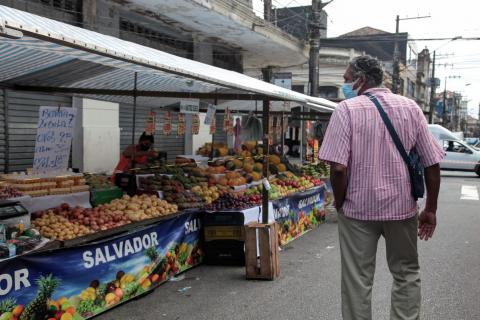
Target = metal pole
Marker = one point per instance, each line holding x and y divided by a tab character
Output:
134	115
396	58
301	137
444	120
6	129
314	48
433	88
267	10
282	139
134	107
215	101
267	75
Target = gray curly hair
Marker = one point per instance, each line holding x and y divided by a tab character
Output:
369	67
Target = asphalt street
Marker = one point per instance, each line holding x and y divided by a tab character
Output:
309	285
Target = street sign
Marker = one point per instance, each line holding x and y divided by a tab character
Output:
437	82
283	79
190	106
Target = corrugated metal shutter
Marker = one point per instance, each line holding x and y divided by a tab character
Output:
3	141
174	145
22	123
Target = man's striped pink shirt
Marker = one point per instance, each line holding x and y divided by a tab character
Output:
378	181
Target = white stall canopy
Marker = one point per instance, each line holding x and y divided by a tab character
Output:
40	54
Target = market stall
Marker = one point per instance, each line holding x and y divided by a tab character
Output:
126	244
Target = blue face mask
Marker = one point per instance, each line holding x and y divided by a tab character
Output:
348	90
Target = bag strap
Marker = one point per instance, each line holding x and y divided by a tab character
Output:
390	128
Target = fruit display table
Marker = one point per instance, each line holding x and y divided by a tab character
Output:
83	281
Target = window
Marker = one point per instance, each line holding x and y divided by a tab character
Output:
328	92
155	36
454	146
298	88
410	88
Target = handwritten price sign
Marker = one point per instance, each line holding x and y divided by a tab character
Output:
54	139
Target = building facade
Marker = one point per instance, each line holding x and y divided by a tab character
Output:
221	33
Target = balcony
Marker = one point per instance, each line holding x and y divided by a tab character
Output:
232	22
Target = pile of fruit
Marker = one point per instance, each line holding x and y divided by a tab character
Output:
318	170
189	182
98	181
7	192
66	223
234	201
57	227
209	194
184	199
138	208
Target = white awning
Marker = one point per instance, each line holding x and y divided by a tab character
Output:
58	55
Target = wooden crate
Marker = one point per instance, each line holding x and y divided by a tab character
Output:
261	251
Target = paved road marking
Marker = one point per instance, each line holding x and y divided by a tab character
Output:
469	193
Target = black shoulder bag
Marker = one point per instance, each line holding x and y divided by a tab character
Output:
412	160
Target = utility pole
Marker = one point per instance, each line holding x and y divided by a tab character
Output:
315	26
444	120
445	107
396	59
267	10
433	88
396	54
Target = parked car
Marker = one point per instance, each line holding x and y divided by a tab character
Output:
472	141
459	155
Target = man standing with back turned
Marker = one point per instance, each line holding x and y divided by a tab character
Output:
372	190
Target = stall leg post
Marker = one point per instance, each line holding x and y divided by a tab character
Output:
282	137
267	76
134	114
215	102
266	151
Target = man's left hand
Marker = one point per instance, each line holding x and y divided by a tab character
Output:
427	221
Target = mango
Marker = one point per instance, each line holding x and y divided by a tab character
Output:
6	316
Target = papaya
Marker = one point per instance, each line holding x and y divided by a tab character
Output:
256	176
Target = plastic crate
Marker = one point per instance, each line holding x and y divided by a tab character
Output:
102	196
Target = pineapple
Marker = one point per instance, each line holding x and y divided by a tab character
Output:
7	305
37	309
152	253
101	292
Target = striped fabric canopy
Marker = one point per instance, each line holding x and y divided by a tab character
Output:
56	54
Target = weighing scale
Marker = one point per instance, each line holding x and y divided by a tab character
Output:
11	209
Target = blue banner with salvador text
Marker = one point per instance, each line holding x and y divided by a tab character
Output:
80	282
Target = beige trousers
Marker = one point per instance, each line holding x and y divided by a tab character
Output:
358	249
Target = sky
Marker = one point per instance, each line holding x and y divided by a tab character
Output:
447	20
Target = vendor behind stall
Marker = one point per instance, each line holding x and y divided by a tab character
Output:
136	155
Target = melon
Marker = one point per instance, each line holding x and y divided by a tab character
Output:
248	167
238	163
258	167
281	167
274	159
230	165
